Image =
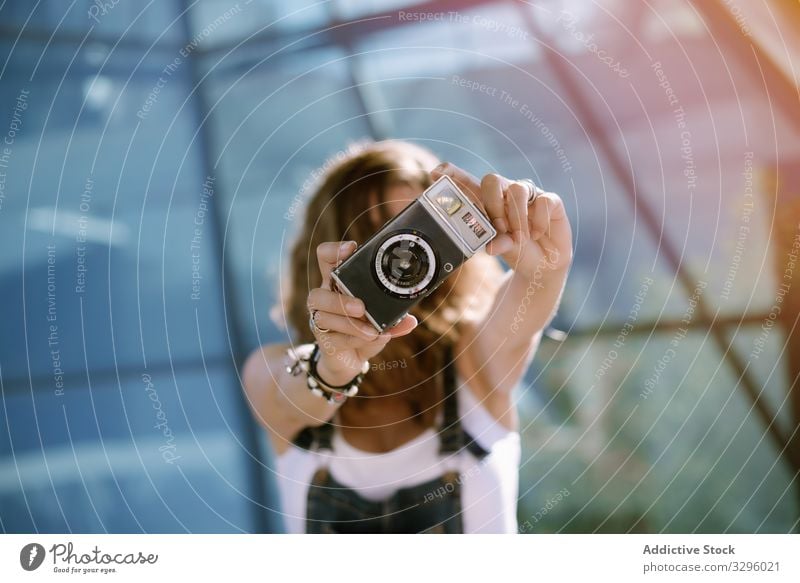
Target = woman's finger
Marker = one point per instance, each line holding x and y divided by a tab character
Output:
403	327
470	185
331	301
545	212
329	255
334	342
493	187
517	203
550	227
501	244
345	325
372	348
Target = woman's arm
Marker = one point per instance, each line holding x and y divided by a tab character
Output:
281	402
536	242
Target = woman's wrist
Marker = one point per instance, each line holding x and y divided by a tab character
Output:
332	373
332	383
542	276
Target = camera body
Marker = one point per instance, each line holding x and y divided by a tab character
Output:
413	253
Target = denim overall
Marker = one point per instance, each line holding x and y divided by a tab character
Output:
431	507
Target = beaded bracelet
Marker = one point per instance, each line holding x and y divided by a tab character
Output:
304	358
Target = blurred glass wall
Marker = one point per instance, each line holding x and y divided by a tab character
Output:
155	160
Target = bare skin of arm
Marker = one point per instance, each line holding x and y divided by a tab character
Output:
282	402
536	242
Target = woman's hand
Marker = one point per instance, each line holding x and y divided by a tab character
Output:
536	240
351	339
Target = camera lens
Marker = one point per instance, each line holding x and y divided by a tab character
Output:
405	264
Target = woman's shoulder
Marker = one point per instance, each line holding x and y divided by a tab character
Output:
273	348
256	368
266	354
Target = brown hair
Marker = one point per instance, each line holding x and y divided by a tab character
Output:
339	210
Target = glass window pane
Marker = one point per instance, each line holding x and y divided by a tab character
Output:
694	127
153	453
217	23
112	268
265	159
658	438
100	220
130	21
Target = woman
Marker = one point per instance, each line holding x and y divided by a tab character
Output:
430	441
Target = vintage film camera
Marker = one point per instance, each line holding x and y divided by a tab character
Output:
413	253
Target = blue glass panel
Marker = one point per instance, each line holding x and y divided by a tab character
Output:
155	453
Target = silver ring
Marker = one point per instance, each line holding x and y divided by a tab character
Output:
533	190
313	324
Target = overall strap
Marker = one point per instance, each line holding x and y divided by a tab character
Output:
319	437
324	434
452	436
304	439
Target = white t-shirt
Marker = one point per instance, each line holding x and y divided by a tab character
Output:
489	487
